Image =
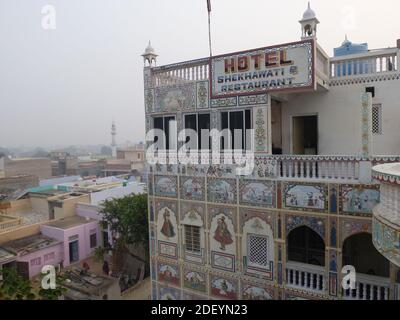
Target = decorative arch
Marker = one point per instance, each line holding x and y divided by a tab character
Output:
305	245
359	251
350	227
314	223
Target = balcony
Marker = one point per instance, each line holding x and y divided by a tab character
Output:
305	277
377	62
307	168
368	287
8	222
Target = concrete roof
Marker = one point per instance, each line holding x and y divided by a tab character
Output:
6	256
69	222
87	283
30	244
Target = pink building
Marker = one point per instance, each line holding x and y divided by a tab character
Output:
34	252
80	237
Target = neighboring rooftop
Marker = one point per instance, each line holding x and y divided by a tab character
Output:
83	284
6	256
30	244
69	222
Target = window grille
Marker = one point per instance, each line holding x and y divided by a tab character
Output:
377	119
257	250
192	238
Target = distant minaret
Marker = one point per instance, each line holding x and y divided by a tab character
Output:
113	141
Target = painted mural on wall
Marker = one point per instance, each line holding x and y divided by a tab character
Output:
303	196
252	292
264	167
192	188
178	97
166	186
359	199
195	280
386	240
169	274
222	234
167	228
223	288
222	238
257	193
221	190
168	293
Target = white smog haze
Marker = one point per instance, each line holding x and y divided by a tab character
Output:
65	86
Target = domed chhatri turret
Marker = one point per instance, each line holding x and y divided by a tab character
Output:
309	23
150	55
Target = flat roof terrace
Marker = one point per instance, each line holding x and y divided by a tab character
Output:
69	222
29	244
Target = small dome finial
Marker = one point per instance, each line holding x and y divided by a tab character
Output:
309	13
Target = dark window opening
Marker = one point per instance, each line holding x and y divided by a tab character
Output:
236	120
163	123
306	246
199	122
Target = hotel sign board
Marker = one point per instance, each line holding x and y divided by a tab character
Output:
287	67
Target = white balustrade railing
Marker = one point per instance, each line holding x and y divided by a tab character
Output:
196	70
374	62
368	287
305	277
317	168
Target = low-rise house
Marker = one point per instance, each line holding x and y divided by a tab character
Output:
80	237
33	253
7	259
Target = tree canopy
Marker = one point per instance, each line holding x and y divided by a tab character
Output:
127	218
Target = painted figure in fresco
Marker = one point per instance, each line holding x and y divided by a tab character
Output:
167	227
222	234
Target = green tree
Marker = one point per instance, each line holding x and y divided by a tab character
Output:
127	218
14	286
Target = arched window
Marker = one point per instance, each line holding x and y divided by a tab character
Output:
306	246
359	252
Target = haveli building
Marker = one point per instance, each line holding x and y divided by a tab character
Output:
286	230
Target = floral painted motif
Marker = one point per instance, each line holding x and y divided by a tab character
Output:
253	100
316	224
260	133
202	95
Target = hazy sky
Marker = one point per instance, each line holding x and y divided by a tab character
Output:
64	86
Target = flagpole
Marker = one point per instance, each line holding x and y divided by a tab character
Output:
209	25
